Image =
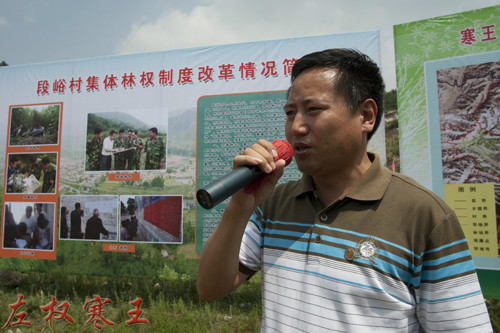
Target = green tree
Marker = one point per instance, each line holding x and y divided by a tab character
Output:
157	182
3	63
390	100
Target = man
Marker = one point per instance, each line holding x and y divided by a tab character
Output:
76	222
108	150
29	219
94	149
48	176
155	150
12	174
35	169
121	143
136	142
94	226
129	154
351	246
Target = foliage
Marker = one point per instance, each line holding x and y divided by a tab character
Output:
3	63
390	100
494	310
28	117
106	124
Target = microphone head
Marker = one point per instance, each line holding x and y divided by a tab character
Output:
284	150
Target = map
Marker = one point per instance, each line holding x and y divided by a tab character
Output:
469	112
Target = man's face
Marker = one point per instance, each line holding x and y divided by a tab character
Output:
152	134
98	135
122	134
45	166
325	134
130	134
112	136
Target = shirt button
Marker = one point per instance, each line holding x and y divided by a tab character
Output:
323	217
318	239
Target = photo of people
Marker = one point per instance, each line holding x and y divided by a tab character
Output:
28	225
154	219
34	125
119	142
31	173
89	217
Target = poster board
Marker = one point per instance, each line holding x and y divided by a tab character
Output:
153	188
449	122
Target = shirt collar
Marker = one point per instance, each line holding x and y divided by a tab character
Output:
370	187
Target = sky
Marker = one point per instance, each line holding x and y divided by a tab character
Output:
37	31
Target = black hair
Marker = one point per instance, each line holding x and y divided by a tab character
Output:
358	77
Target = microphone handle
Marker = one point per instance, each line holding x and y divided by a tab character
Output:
224	187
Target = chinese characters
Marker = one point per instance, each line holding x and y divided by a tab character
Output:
55	312
166	77
469	36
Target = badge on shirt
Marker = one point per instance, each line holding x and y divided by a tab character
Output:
366	249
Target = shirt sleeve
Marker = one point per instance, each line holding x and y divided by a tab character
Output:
449	297
250	250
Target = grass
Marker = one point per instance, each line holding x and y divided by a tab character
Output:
169	306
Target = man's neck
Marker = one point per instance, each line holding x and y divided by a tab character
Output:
335	185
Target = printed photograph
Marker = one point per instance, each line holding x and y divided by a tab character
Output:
152	219
28	225
88	217
119	141
31	173
34	125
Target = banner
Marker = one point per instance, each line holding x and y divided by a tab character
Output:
102	157
449	120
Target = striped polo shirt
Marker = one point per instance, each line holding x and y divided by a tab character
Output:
390	256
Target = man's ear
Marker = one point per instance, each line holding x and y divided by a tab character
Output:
368	111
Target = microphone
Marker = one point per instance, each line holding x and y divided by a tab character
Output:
248	177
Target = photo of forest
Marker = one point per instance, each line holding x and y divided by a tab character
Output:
34	125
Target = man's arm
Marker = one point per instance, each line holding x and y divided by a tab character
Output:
218	273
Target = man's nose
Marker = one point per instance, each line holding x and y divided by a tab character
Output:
299	125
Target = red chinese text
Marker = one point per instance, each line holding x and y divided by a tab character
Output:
136	313
54	312
187	75
95	308
20	316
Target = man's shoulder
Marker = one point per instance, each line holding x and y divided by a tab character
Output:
411	190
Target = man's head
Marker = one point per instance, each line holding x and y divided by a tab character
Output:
121	133
45	163
357	77
14	161
112	135
96	212
98	132
77	205
153	132
28	210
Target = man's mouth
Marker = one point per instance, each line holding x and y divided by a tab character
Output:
300	148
